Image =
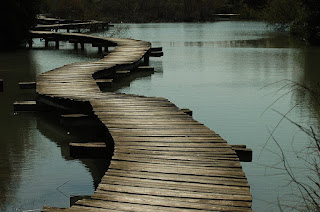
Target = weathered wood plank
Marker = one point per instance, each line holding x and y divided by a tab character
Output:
235	200
163	160
180	178
177	169
173	201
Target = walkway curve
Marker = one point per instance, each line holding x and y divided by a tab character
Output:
163	160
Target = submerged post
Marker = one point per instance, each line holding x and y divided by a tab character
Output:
1	85
46	43
57	44
30	43
146	58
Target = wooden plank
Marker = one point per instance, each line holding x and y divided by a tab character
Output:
198	204
234	200
124	206
175	169
213	150
183	157
180	178
156	161
173	185
214	139
216	155
173	144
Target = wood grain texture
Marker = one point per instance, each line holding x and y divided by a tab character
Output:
164	160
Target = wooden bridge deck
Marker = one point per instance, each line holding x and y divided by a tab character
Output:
45	24
163	159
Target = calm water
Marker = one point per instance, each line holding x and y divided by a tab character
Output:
35	168
223	71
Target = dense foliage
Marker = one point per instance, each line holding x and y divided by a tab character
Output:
301	17
18	16
149	11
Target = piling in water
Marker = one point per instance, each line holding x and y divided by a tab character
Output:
1	85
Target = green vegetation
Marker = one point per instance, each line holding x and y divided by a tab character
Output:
18	16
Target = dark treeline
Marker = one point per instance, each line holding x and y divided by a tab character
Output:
150	10
301	17
17	17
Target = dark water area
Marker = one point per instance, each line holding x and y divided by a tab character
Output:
35	167
231	74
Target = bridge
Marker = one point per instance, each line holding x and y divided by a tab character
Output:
161	158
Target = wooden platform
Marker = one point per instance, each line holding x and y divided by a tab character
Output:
163	160
45	24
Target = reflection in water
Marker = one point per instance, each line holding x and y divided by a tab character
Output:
49	126
14	140
308	99
31	165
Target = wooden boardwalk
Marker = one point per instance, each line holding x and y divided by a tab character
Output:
163	159
56	24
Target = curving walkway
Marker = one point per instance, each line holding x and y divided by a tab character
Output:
163	160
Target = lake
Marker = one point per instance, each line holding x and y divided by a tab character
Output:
231	74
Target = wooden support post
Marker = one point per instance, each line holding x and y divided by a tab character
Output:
75	119
27	85
156	54
1	85
30	106
146	68
122	73
106	49
57	44
156	49
74	199
25	106
187	111
68	30
75	45
244	154
30	43
146	59
88	150
46	42
100	49
82	46
104	83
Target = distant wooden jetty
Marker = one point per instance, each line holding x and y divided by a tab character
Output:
48	24
226	16
163	159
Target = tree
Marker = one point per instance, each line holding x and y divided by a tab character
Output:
301	17
19	16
